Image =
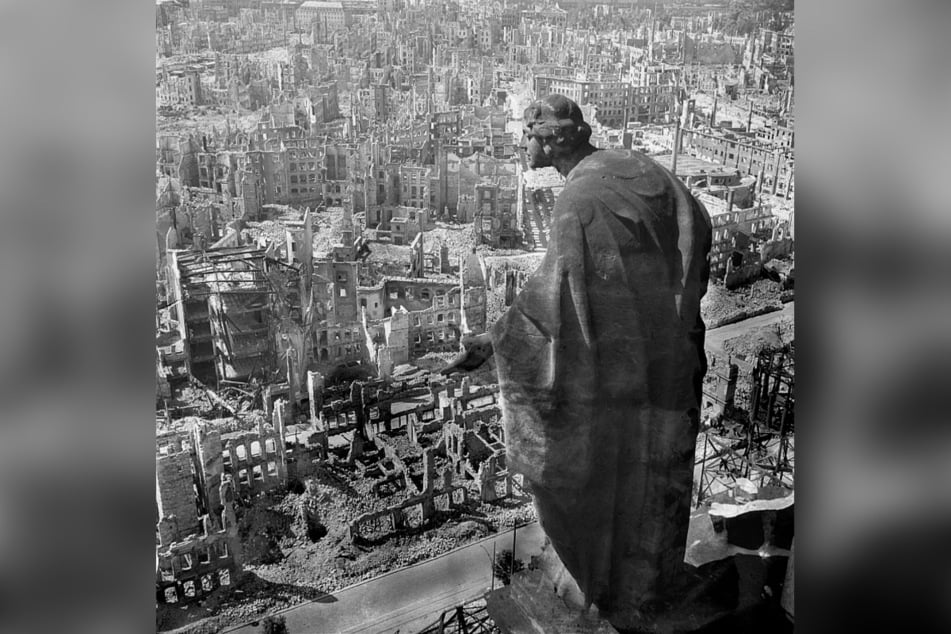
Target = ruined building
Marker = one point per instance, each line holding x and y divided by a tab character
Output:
412	316
746	233
197	545
496	218
469	452
221	301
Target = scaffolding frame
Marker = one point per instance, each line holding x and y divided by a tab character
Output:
761	447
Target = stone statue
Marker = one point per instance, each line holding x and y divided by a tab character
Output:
600	361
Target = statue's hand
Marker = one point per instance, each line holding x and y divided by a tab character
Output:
475	350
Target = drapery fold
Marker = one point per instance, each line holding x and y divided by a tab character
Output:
600	361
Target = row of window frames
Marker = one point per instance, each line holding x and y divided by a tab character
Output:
224	579
440	317
341	351
727	233
433	337
303	167
347	335
754	153
423	294
257	473
217	550
270	446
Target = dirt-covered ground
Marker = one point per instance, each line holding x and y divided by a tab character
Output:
721	306
748	345
202	119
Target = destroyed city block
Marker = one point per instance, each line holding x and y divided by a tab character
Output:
341	198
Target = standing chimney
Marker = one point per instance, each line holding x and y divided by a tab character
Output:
776	173
681	121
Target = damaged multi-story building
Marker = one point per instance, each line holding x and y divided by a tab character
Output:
205	471
464	445
273	310
746	232
197	545
407	317
316	165
222	300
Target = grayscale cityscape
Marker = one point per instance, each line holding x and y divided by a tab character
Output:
364	347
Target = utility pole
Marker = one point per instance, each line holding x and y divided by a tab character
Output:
514	531
492	567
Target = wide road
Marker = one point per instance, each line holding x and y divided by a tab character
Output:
715	337
411	598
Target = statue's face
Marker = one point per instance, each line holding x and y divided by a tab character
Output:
534	150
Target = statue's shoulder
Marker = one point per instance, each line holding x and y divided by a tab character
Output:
619	169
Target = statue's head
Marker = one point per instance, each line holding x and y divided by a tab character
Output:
553	126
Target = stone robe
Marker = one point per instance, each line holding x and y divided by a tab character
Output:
600	362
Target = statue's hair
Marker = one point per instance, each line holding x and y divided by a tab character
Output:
559	118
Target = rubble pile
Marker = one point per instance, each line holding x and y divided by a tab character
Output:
262	528
494	305
319	221
171	121
328	229
748	345
306	568
457	238
721	306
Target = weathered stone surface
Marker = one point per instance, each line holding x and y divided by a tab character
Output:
600	362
